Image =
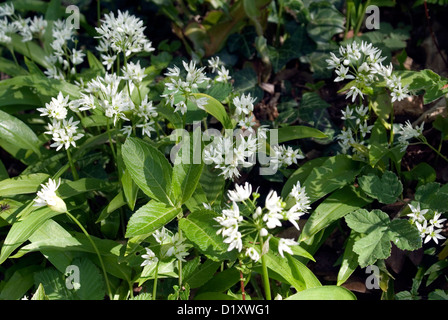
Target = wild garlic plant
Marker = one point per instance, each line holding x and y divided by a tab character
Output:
248	228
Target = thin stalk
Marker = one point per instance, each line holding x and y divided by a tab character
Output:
154	289
109	291
110	141
243	292
266	284
72	166
13	55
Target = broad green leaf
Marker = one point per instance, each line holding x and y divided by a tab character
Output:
54	284
22	184
375	246
386	189
404	235
10	68
91	280
423	173
150	217
216	109
72	188
325	21
301	174
3	172
187	168
149	169
202	274
324	293
212	184
117	202
298	132
441	124
363	221
333	208
23	229
433	196
13	130
300	271
29	49
382	106
20	282
221	282
287	271
94	63
246	82
130	189
197	200
333	174
42	85
200	228
349	259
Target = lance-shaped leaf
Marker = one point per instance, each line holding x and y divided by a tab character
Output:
150	217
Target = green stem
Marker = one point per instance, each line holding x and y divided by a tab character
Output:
72	166
96	250
13	55
154	289
435	150
266	284
110	141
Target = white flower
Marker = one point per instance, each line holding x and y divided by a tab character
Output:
398	93
241	193
133	72
162	236
127	130
347	114
6	10
234	241
173	72
108	60
77	57
353	92
244	104
214	63
434	235
149	257
284	246
47	197
342	74
57	108
365	129
333	62
263	232
223	75
417	214
274	202
253	254
436	221
146	127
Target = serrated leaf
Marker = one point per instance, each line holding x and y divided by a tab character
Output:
386	189
363	221
376	245
405	235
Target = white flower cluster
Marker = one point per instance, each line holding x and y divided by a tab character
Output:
170	245
244	107
362	63
427	230
47	196
27	28
285	156
179	89
113	99
356	130
123	33
229	156
407	132
276	210
63	58
217	66
64	132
